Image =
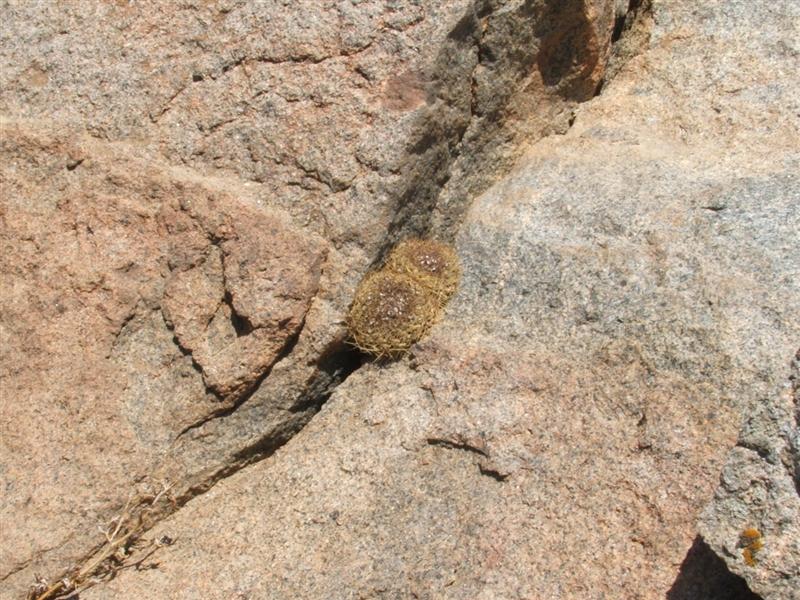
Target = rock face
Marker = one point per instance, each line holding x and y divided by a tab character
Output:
103	272
759	489
183	231
190	195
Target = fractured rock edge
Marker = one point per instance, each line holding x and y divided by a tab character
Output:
760	488
130	334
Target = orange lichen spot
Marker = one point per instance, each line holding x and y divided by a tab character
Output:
751	541
749	534
749	558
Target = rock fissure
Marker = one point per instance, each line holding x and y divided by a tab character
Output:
457	445
241	398
301	59
792	438
449	140
168	105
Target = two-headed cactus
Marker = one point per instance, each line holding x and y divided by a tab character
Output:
397	305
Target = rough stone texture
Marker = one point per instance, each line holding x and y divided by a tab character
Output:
190	193
630	293
233	305
703	574
760	487
332	105
94	260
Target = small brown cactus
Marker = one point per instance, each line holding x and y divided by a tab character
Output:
396	306
390	312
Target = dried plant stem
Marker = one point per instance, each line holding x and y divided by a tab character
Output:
129	525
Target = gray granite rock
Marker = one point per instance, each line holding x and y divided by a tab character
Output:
623	335
189	195
760	489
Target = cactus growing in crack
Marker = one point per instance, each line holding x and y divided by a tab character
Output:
397	305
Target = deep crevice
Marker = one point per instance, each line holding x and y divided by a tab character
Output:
621	19
565	31
236	400
555	38
629	35
335	367
623	22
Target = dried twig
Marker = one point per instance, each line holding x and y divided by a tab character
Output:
109	559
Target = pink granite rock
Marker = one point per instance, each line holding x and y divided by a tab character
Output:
191	193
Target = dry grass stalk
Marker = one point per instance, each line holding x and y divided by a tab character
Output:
123	534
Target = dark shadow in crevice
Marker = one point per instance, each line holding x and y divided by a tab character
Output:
794	441
622	20
566	41
333	368
629	38
619	26
234	401
704	576
469	104
241	324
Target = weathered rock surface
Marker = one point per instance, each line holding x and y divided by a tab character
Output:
630	296
189	195
95	258
760	488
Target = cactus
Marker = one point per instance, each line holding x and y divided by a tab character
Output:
432	264
397	305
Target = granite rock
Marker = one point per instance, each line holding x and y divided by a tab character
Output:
614	375
190	194
95	387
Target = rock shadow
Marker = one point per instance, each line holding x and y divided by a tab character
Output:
704	576
487	60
